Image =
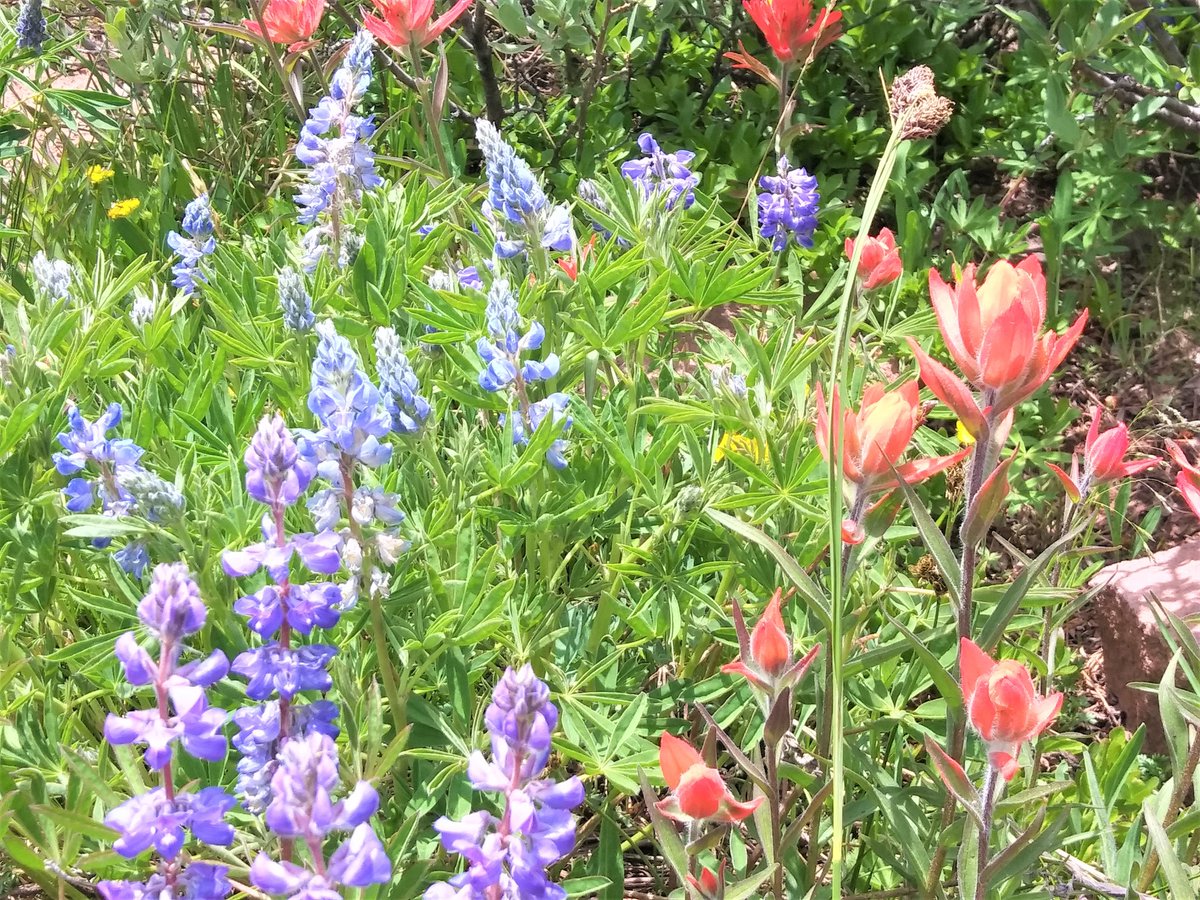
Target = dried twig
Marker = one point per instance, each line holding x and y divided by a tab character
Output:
1130	92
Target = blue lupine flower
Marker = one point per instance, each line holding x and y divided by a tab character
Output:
53	278
507	857
503	352
151	820
399	383
333	143
350	408
516	198
258	739
469	278
726	382
294	300
193	245
555	407
133	558
663	174
787	208
31	27
272	669
302	808
197	881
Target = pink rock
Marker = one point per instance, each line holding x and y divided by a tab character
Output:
1134	650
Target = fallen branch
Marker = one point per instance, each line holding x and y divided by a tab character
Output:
1130	92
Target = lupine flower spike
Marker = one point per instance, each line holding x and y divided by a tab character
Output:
407	23
1188	479
698	793
994	334
294	301
661	174
507	856
289	22
1103	460
193	245
333	144
1003	707
766	659
31	27
879	264
53	278
787	207
172	612
517	201
399	384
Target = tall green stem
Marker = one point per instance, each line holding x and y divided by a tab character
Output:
837	642
433	117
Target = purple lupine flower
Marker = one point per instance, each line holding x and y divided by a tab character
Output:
198	881
502	354
307	606
399	383
53	278
787	208
258	739
508	856
318	553
294	300
516	198
663	174
193	245
273	669
275	473
155	820
333	143
554	407
302	807
171	611
31	27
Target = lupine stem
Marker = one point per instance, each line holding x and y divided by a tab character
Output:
286	845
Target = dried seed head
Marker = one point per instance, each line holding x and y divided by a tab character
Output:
956	476
917	110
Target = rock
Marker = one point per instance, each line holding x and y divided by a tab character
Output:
1134	650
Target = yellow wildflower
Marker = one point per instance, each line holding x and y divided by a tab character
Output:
123	208
739	443
964	437
98	174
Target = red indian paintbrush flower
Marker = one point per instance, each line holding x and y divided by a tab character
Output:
1188	479
876	437
789	27
1002	705
288	21
407	22
710	885
879	263
698	793
1103	460
994	333
766	652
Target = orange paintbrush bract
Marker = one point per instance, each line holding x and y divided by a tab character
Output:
877	435
879	263
1188	479
994	332
766	652
790	29
698	793
1002	705
288	21
1103	459
407	22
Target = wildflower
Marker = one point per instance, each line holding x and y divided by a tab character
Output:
198	881
874	438
710	885
408	22
1002	705
53	278
766	652
121	209
399	383
789	28
302	807
1103	460
507	856
516	198
294	300
787	208
333	144
663	174
726	382
879	263
994	333
98	174
193	245
156	499
156	820
962	435
31	26
288	21
502	353
553	407
1188	479
916	107
141	311
698	793
735	442
260	733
